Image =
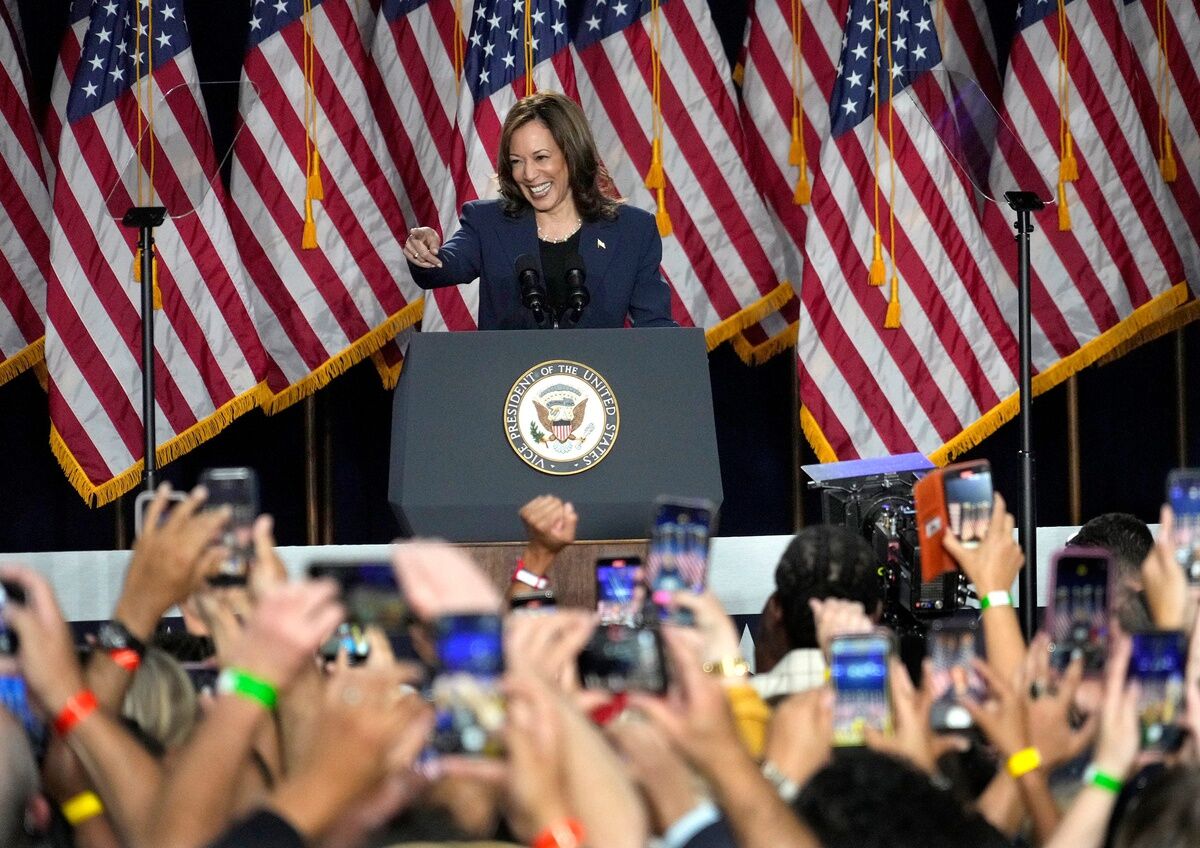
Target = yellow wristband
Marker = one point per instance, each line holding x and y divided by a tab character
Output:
1024	761
84	806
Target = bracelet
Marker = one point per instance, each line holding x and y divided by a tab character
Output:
80	808
999	598
728	667
787	788
566	834
1096	777
234	681
1024	761
523	575
78	707
126	658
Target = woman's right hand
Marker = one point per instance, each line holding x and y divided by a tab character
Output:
422	246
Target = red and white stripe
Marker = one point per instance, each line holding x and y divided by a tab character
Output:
719	259
319	310
24	209
207	353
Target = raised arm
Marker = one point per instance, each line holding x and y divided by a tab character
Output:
457	261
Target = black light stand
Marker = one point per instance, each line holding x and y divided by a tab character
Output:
145	219
1024	203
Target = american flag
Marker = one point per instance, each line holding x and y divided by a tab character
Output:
24	209
719	258
1125	260
494	78
324	307
207	355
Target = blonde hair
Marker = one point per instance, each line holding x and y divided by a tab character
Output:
161	699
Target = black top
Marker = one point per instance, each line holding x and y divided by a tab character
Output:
554	269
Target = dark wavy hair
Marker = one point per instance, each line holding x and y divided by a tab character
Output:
566	122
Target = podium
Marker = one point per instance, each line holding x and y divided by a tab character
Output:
607	419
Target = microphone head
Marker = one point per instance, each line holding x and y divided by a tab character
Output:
525	262
575	264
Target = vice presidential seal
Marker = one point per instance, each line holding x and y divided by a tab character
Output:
561	417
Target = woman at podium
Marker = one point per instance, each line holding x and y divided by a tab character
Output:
553	250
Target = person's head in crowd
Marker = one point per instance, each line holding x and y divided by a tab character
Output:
1127	538
822	561
546	138
1164	814
843	805
161	699
23	809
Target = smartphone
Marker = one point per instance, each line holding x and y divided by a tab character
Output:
618	588
954	645
14	697
236	488
1183	494
10	593
372	598
142	503
1077	608
203	676
465	692
1157	663
860	677
537	601
956	499
678	557
623	658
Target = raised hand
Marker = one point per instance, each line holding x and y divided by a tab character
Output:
1163	580
838	617
913	737
289	623
441	580
995	563
549	527
421	247
47	653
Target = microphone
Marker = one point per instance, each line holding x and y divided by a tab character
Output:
577	294
533	290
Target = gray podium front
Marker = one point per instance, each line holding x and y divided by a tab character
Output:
607	419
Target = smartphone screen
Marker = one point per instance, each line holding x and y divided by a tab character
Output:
1078	614
859	672
236	488
1183	494
618	587
203	676
622	658
372	598
10	593
465	693
14	697
1157	664
679	548
968	501
953	646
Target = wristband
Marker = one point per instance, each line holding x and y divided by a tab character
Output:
1024	761
234	681
78	707
126	658
566	834
999	598
523	575
80	808
1096	777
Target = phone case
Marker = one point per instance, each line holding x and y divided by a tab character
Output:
1100	616
933	518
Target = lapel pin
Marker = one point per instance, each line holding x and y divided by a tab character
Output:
601	244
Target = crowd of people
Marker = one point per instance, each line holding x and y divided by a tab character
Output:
117	747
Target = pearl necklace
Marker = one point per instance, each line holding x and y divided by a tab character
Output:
560	239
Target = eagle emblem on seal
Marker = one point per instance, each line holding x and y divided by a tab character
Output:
562	418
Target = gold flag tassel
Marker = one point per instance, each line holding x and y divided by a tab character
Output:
1064	211
314	188
656	177
137	276
878	272
1166	159
797	155
530	84
309	240
891	319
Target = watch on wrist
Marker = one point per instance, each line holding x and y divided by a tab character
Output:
114	636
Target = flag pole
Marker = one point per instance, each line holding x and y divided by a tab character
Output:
145	219
1025	203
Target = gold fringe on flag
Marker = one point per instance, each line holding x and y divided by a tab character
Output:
1166	153
314	187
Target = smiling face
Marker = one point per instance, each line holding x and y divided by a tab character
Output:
540	170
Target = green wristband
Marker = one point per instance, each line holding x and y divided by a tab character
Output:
1104	780
237	682
999	598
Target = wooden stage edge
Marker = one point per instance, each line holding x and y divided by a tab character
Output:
573	577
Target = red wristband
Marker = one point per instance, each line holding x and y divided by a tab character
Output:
80	705
568	833
523	575
126	658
